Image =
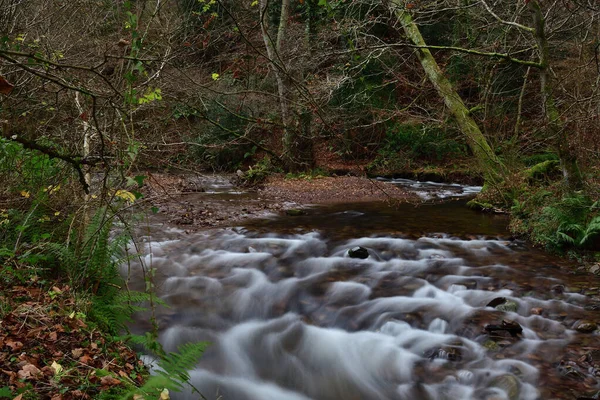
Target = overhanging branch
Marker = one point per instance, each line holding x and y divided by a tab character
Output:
76	162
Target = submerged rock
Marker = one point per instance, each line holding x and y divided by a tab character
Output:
509	384
586	327
295	212
496	302
358	252
509	326
537	311
509	306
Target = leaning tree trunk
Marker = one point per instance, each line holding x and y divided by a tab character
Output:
556	129
490	164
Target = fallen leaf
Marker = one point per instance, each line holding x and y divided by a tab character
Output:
56	289
123	374
19	397
29	371
56	367
109	381
164	395
15	346
53	336
5	87
56	397
77	352
85	359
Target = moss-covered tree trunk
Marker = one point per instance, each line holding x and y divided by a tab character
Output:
556	129
490	164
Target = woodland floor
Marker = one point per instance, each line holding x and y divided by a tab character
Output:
49	351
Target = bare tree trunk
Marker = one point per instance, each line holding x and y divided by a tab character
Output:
556	128
492	167
278	66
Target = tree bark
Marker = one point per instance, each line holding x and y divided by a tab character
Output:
274	52
556	129
491	166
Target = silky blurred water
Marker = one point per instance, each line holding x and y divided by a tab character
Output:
291	316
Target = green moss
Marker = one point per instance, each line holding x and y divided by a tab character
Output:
480	205
542	170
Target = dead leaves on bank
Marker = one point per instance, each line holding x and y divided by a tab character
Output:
48	349
5	86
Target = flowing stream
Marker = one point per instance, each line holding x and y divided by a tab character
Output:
290	315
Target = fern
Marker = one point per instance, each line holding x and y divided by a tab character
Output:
113	311
568	223
172	372
590	231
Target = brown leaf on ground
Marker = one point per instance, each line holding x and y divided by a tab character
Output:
19	397
53	336
15	346
109	381
5	86
29	371
77	352
85	359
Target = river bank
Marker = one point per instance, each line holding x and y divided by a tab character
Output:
194	202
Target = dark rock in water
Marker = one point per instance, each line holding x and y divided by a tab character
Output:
496	302
557	289
586	327
450	353
511	327
571	370
358	252
294	212
509	384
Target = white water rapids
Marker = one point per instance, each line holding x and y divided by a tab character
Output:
292	316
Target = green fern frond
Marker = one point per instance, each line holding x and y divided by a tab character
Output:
173	370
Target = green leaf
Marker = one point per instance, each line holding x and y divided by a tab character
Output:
154	210
6	392
140	180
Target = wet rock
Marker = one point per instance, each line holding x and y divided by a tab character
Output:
557	289
507	383
592	307
537	311
449	352
595	269
512	327
509	306
470	284
491	345
570	370
358	252
592	357
295	212
586	327
496	302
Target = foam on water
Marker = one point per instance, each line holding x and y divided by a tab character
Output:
293	317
